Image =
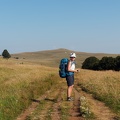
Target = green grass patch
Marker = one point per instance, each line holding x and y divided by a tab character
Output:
15	98
65	106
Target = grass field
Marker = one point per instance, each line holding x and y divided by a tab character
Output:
103	85
19	83
22	80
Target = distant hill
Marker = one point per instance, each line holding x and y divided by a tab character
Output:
52	57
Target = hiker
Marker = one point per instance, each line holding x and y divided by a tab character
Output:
70	78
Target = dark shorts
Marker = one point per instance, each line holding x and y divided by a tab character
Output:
70	80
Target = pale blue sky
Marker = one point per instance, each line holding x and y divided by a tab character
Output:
81	25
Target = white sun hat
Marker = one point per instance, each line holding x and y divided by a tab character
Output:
72	55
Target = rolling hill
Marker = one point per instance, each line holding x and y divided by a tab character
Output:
52	57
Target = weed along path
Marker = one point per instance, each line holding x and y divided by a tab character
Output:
53	106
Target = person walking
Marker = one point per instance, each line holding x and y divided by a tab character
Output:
70	77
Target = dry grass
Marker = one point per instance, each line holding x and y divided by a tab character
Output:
19	83
104	85
25	79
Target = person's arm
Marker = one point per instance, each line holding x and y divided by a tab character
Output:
69	66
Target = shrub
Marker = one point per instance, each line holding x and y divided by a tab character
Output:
90	63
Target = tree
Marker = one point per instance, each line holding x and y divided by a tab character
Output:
107	63
91	63
117	63
6	54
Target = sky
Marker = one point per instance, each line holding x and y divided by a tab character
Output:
91	26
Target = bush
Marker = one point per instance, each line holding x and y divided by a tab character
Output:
106	63
117	63
90	63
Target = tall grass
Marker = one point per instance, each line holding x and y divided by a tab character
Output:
104	85
19	83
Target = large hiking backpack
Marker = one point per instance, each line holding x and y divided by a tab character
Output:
63	67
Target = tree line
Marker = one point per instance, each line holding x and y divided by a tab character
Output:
106	63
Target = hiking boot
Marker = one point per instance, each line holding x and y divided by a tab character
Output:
70	99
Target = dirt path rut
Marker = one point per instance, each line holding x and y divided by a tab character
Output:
53	106
100	111
75	110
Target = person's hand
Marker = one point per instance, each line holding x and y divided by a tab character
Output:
77	70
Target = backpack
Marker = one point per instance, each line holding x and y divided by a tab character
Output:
63	68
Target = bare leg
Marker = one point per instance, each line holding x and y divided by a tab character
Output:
69	90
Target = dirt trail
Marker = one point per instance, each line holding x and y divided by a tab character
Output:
54	99
32	107
75	111
99	109
55	115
